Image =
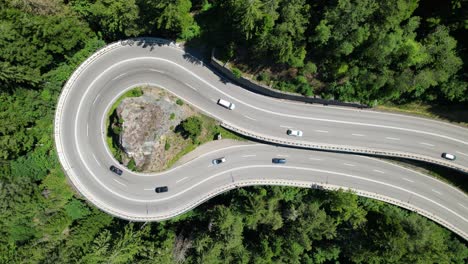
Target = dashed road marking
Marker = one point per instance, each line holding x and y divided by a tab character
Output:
87	130
119	182
248	117
392	138
348	164
358	135
151	189
183	179
314	159
321	131
245	156
439	193
285	126
463	206
408	180
282	155
426	144
193	88
154	70
96	160
379	171
464	154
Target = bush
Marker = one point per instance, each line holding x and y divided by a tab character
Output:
191	128
172	116
237	73
179	102
132	165
167	146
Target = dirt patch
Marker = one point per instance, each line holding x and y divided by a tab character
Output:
148	122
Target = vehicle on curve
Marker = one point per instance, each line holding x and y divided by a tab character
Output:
161	189
278	160
226	104
294	133
219	161
115	170
449	156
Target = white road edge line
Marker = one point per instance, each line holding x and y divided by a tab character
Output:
408	180
119	183
183	179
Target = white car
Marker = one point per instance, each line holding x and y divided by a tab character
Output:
219	161
295	133
448	156
226	104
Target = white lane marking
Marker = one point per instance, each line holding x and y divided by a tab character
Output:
118	76
285	126
314	159
426	144
379	171
87	130
183	179
392	138
154	70
439	193
190	86
358	135
250	118
95	99
151	189
463	206
321	131
464	154
348	164
96	160
119	182
245	156
282	155
408	180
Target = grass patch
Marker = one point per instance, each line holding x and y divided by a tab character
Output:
451	113
210	128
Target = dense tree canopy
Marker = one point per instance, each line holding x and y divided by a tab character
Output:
395	50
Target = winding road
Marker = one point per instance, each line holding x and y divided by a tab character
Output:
100	80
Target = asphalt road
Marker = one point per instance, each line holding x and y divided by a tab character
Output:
80	139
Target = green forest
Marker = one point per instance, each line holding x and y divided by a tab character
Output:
370	51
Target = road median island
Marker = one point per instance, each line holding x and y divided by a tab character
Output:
149	129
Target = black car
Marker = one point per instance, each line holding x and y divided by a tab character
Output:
278	160
115	170
161	189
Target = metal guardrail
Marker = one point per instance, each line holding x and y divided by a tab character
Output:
151	41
